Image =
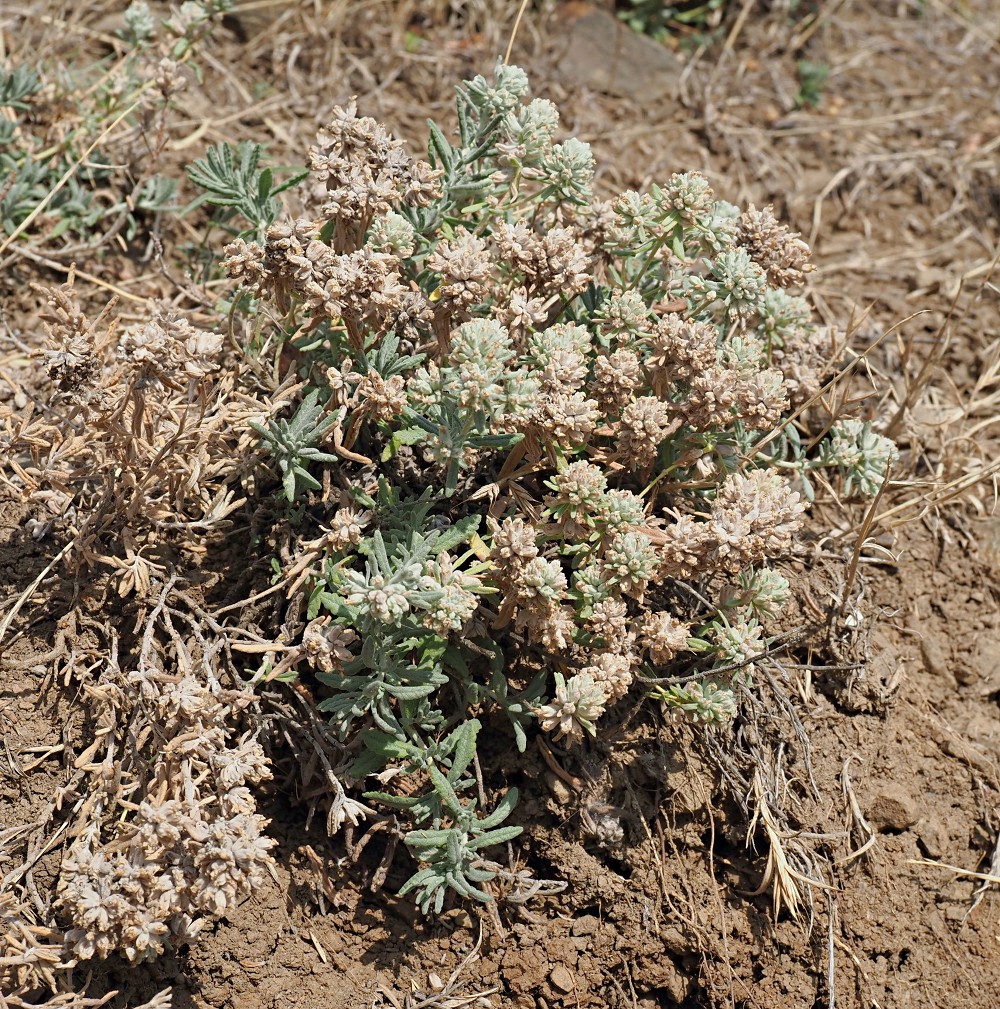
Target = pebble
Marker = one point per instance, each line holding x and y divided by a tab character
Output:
937	659
891	809
561	979
984	662
586	924
558	788
932	838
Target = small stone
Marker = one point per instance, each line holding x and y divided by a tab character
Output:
457	918
561	980
984	662
937	659
586	924
892	810
932	838
560	792
966	674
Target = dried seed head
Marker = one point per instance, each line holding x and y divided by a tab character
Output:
617	377
326	645
577	705
347	527
664	636
608	621
465	268
612	673
781	253
644	425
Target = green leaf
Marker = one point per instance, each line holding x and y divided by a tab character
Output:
500	836
445	791
411	692
465	748
457	534
395	801
427	839
438	145
504	808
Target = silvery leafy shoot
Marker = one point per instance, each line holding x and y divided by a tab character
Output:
528	417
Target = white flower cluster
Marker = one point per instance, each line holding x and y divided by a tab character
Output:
191	849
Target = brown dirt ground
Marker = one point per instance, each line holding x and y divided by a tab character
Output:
894	180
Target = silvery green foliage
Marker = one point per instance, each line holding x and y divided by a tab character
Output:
735	642
763	591
462	404
232	179
452	852
140	26
292	444
87	194
862	456
701	701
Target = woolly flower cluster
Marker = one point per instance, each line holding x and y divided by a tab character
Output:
193	847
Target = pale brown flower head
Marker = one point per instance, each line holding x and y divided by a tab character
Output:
347	527
685	547
782	254
520	314
465	268
326	645
551	262
381	398
644	425
754	517
612	673
664	636
514	543
617	377
609	622
362	170
568	419
577	705
679	350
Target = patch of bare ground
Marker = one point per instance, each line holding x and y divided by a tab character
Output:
894	804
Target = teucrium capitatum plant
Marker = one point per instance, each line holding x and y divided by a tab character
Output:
551	409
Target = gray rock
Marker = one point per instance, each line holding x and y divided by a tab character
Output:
603	54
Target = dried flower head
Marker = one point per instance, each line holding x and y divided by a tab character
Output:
664	636
781	253
326	645
611	672
574	709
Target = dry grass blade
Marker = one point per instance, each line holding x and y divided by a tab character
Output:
844	373
26	594
868	833
779	875
986	877
866	525
991	877
72	170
